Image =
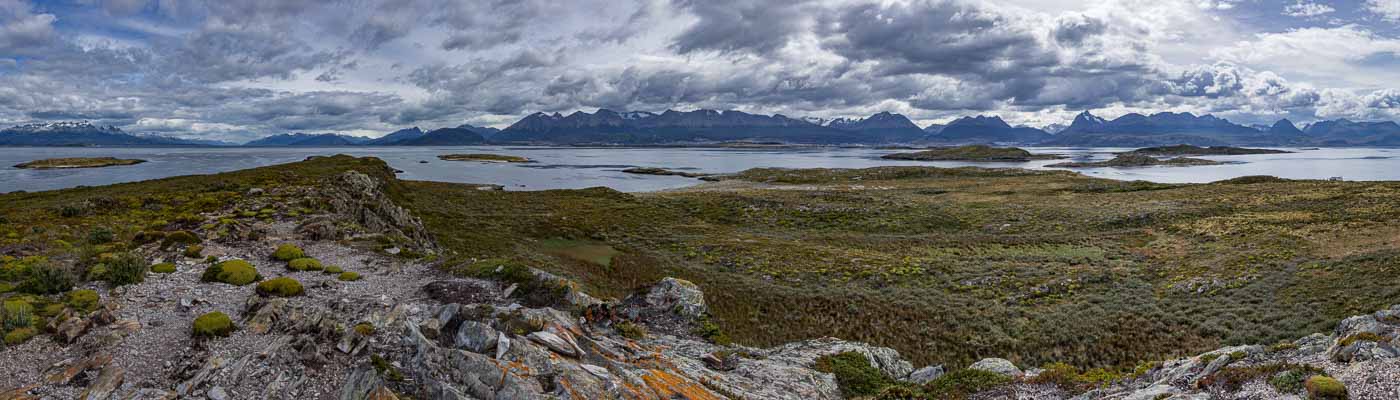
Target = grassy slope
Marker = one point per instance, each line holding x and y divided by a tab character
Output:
950	265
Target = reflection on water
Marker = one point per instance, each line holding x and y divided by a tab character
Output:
568	167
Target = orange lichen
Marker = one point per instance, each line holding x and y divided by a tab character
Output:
670	386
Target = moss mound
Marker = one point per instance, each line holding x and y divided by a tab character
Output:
82	300
194	251
214	324
163	268
349	276
281	287
178	238
333	269
288	252
19	336
304	264
1325	388
233	272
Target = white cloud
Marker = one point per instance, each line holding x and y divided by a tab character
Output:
1388	9
1307	9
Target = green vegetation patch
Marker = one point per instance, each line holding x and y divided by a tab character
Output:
1325	388
349	276
332	269
163	268
214	324
1361	337
233	272
593	252
85	300
19	336
126	269
280	287
78	162
288	252
194	251
304	264
483	158
964	383
854	374
630	330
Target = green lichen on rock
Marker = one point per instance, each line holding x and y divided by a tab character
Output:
349	276
1325	388
214	324
163	268
85	300
288	252
304	264
333	269
281	287
233	272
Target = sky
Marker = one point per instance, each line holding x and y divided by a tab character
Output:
240	69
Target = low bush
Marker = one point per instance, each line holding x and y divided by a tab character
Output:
126	269
82	300
631	331
100	235
280	287
233	272
288	252
1360	337
304	264
47	279
19	336
194	251
854	374
349	276
963	383
214	324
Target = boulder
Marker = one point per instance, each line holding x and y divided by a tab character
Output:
554	342
681	296
925	375
997	365
107	382
476	337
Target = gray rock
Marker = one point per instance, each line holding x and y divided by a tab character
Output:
996	365
679	295
553	342
1360	324
926	374
107	382
502	345
217	393
475	336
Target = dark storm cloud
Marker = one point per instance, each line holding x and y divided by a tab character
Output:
739	25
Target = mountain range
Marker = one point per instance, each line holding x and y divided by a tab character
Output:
607	127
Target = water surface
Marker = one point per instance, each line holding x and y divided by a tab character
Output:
572	167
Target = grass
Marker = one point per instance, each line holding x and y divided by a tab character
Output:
596	253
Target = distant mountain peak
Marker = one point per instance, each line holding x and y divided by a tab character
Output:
992	121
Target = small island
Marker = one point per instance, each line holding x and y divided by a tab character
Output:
78	162
975	152
663	172
1130	160
1189	150
484	158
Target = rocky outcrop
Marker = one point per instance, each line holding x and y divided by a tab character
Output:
362	199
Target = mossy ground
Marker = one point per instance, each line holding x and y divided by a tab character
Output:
280	287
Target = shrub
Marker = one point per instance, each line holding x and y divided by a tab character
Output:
963	383
304	264
349	276
631	331
100	235
194	251
179	238
854	374
233	272
19	336
711	331
82	300
903	392
213	324
1325	388
1291	381
280	287
288	252
17	314
144	237
47	279
127	269
332	270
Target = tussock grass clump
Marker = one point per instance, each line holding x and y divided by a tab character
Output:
233	272
44	278
304	264
288	252
280	287
214	324
126	269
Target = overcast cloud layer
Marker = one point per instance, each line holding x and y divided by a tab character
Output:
238	69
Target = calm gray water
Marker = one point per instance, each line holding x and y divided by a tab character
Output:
568	167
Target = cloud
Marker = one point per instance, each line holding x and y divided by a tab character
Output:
1307	9
21	30
1388	9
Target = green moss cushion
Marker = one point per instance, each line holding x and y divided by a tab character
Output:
281	287
163	268
288	252
349	276
213	324
332	269
304	264
233	272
